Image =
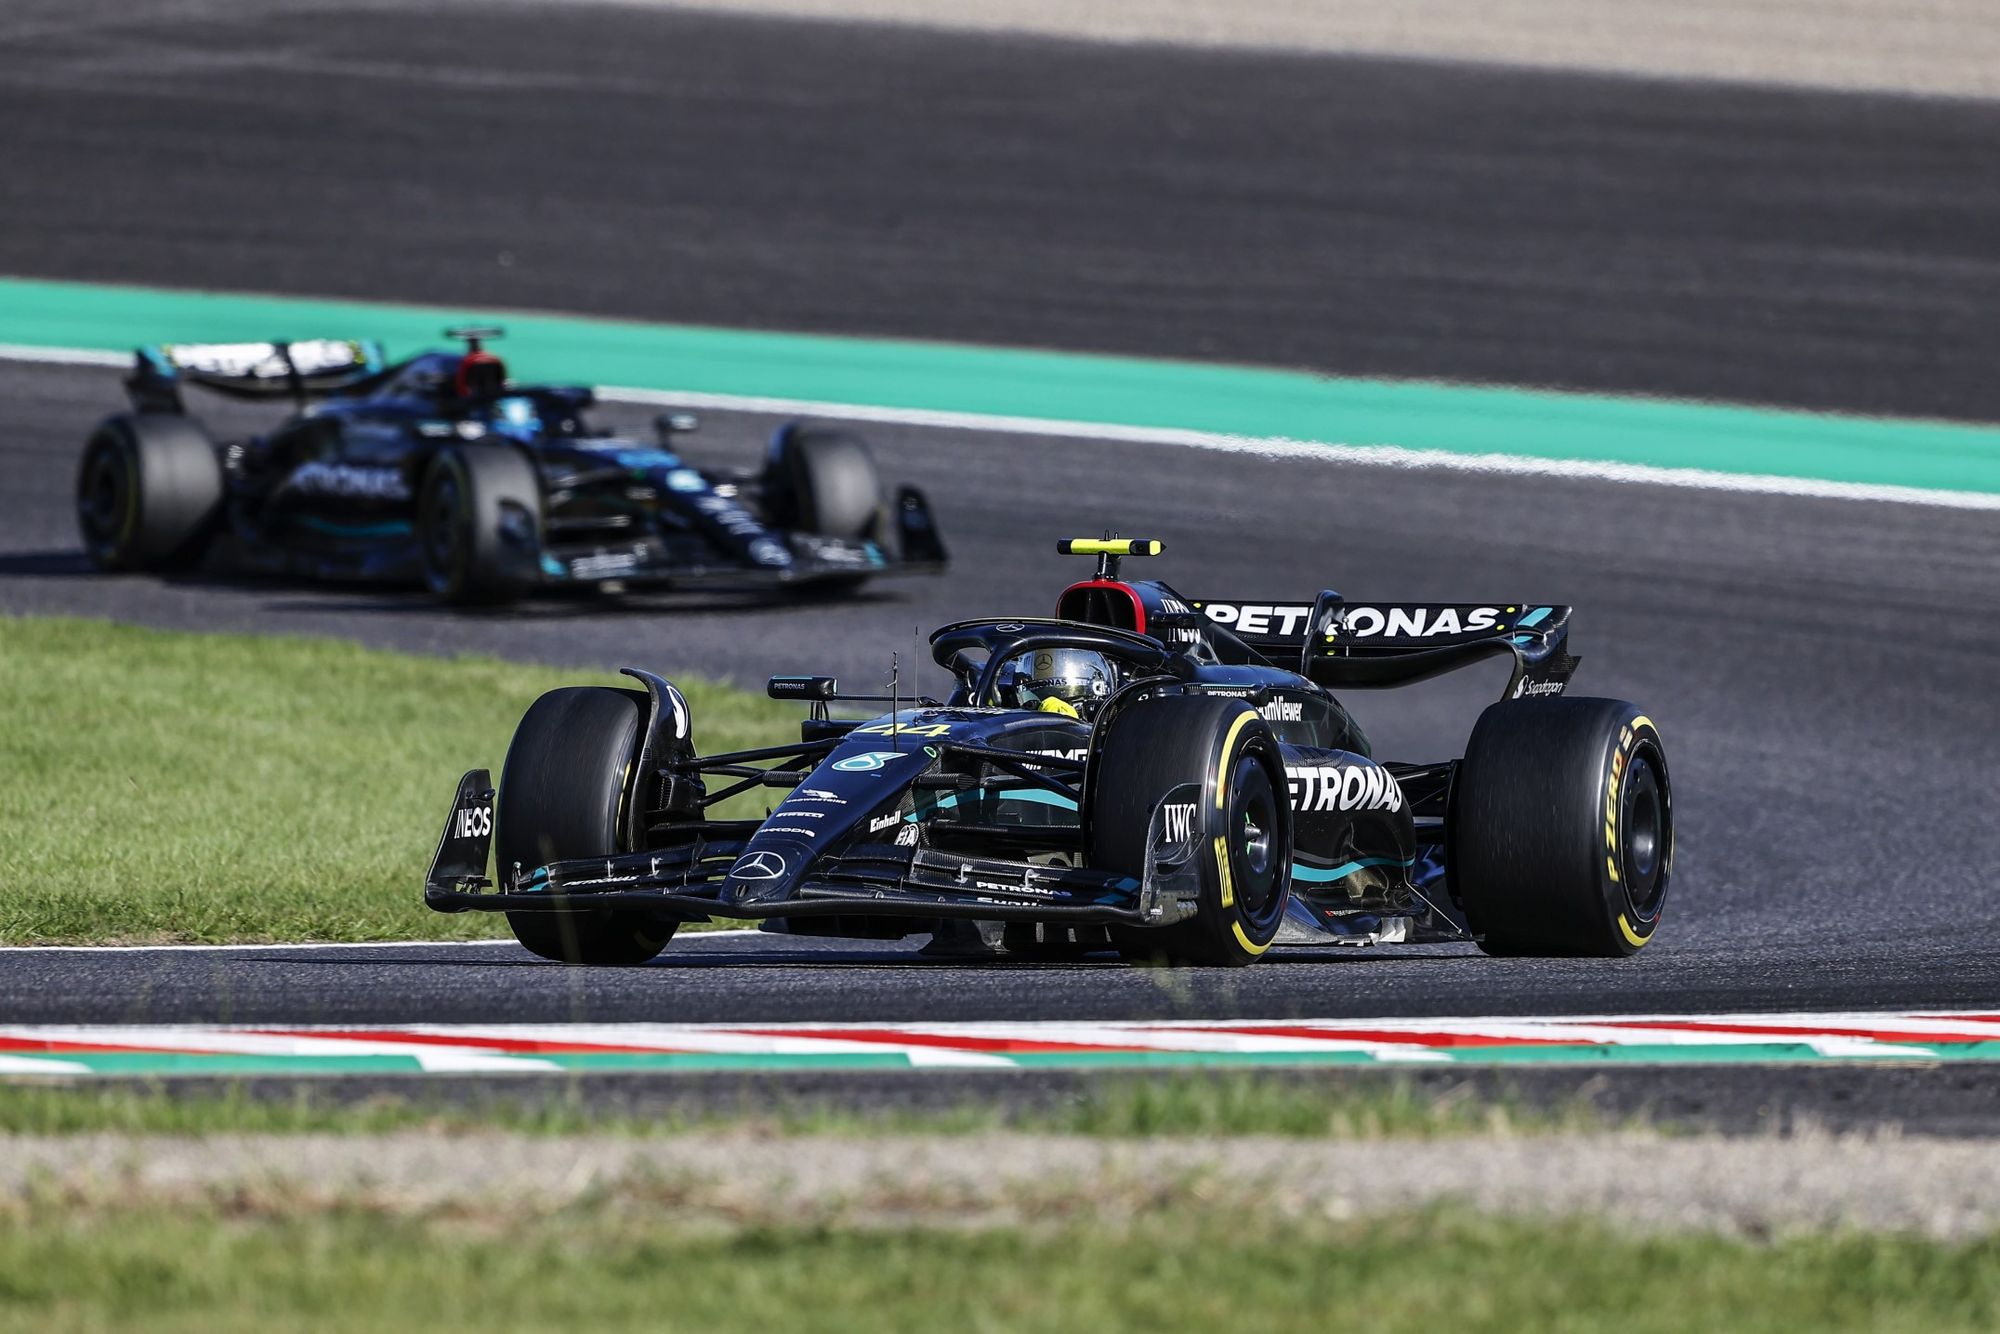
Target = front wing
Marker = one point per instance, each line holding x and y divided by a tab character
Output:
688	877
648	561
807	558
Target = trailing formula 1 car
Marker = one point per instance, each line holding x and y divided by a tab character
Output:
439	470
1159	775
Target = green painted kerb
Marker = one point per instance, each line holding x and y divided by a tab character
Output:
1117	391
167	1064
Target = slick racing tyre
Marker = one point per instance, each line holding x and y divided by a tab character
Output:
1561	831
479	524
1242	821
562	793
148	492
827	483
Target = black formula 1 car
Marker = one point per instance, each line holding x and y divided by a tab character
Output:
438	470
1164	776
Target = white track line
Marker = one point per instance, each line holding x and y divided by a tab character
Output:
690	938
1372	456
64	356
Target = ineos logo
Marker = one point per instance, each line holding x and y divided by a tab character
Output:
758	866
473	821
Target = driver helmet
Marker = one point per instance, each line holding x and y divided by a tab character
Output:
1067	681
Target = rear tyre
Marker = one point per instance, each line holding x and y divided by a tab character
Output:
562	795
828	484
148	492
1243	821
479	523
1561	837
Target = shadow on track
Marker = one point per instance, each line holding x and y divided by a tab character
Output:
315	596
558	604
687	961
45	564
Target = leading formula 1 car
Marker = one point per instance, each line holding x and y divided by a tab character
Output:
438	469
1159	775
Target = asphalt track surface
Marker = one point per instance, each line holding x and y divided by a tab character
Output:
1823	671
1364	216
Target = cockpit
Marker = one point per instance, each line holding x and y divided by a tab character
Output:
1059	667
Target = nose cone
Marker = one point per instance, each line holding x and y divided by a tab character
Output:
767	872
864	775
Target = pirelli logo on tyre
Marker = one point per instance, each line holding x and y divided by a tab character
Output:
1619	756
1629	735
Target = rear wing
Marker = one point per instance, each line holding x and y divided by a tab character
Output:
299	370
1346	645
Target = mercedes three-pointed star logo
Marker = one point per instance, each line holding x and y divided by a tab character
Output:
758	866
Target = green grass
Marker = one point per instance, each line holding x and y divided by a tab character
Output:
260	1262
159	786
1193	1104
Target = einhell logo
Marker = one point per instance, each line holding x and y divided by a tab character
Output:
472	822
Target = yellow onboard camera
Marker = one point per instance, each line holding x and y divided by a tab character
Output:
1109	550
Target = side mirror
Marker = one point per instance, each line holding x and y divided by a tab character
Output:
671	424
802	687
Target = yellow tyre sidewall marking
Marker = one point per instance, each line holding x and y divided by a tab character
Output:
1245	940
1629	736
1228	750
1222	840
1222	869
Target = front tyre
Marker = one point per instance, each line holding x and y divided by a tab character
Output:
1561	837
479	524
1221	750
148	492
829	481
826	482
562	795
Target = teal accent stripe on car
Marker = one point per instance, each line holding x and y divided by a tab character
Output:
1034	796
334	528
1318	874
